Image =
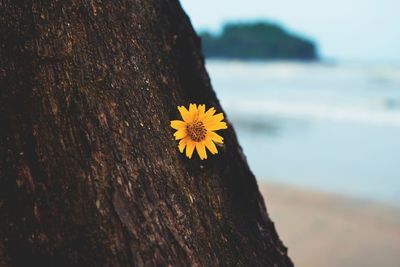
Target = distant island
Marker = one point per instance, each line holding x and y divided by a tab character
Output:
259	40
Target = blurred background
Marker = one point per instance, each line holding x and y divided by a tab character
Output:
313	91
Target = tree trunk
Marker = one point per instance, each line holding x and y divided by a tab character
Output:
89	172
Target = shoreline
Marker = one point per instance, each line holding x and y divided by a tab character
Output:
323	229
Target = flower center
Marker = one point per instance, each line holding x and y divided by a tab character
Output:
196	131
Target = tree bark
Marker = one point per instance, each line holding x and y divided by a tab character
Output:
89	172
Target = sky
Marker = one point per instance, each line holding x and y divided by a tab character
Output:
352	30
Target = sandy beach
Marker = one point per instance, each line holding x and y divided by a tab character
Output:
329	230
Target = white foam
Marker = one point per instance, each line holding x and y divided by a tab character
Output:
313	111
362	93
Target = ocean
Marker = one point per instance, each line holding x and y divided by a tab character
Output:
332	127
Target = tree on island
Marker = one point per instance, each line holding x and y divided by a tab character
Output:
89	172
259	40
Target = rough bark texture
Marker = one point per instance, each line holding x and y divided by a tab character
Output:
89	172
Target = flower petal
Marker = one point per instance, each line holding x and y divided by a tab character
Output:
217	117
211	146
184	113
201	150
202	111
189	149
216	137
180	134
182	144
217	126
194	114
177	124
209	113
192	108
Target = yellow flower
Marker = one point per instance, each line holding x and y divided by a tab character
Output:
197	130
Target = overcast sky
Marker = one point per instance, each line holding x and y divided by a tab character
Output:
367	30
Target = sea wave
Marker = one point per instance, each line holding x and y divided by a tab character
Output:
313	111
342	92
